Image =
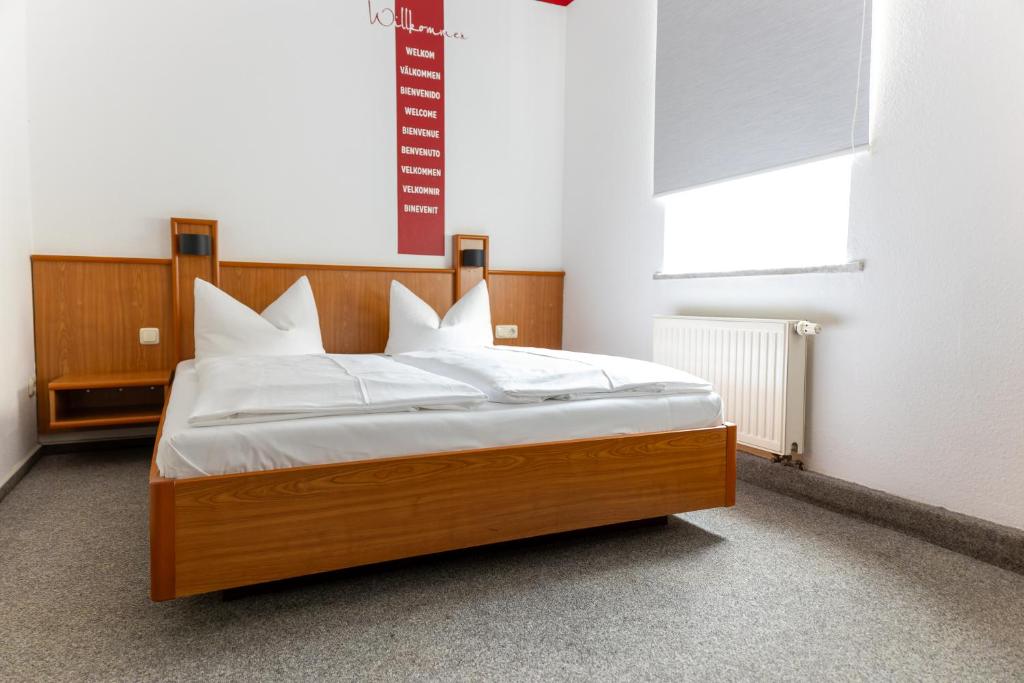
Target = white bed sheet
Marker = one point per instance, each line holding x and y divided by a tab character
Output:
186	451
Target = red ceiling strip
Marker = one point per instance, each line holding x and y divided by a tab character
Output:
563	3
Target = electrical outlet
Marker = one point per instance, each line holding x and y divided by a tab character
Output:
149	335
506	331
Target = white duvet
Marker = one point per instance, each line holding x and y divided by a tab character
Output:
530	375
241	389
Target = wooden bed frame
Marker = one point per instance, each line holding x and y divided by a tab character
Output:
219	532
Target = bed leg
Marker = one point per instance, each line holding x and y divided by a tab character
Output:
648	521
653	521
161	539
730	464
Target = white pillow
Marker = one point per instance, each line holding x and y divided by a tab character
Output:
226	327
415	326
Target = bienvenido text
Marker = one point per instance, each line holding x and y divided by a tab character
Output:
419	92
404	20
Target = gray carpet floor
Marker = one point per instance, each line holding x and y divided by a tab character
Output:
773	589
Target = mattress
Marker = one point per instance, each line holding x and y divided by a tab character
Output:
186	451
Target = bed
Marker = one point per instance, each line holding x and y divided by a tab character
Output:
238	505
211	533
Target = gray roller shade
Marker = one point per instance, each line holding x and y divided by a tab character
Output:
749	85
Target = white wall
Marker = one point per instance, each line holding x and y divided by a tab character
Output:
278	119
916	382
17	361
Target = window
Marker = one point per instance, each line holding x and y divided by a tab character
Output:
759	110
791	217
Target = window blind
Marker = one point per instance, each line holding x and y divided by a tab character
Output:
750	85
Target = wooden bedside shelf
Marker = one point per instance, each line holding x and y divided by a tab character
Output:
107	400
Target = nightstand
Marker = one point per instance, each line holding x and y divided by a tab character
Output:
107	400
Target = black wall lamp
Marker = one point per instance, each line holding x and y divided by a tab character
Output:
193	245
472	258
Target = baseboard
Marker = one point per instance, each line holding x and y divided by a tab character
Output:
19	471
986	541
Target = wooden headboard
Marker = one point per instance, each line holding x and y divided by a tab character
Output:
88	310
352	300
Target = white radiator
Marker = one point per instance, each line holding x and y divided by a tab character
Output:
757	366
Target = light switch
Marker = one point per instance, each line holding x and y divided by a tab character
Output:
506	331
149	335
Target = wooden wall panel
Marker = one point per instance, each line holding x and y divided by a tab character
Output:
352	301
533	301
88	312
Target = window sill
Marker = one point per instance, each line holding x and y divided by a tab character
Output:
850	267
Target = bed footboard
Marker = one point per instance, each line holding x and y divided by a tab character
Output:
219	532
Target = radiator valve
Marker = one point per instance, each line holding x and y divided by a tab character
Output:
790	459
806	329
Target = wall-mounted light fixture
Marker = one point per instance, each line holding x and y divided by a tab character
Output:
193	245
472	258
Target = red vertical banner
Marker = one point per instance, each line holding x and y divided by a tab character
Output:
419	65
